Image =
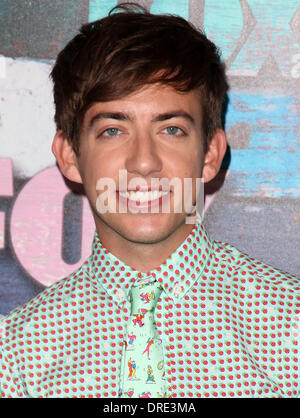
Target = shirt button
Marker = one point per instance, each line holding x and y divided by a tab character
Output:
177	290
120	294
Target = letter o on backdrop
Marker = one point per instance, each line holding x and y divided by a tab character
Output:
37	225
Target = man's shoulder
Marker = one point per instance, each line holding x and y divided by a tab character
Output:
47	304
252	272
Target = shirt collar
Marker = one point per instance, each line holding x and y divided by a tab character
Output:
177	274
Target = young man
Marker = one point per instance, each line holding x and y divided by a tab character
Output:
159	309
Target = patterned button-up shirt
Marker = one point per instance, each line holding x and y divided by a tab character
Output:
229	326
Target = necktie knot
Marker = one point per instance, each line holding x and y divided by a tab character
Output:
144	297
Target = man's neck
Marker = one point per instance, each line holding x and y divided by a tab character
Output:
142	256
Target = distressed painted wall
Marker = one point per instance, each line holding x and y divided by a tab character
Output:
46	230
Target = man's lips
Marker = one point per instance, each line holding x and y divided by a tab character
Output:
143	195
142	199
141	188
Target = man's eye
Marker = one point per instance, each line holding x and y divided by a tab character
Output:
174	130
111	132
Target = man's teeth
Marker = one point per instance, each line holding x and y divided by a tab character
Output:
143	196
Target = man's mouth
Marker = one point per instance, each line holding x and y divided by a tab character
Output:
145	200
143	196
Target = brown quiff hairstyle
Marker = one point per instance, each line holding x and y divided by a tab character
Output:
115	56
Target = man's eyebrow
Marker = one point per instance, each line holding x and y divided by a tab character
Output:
176	114
126	117
109	115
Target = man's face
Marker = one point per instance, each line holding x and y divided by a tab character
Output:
152	134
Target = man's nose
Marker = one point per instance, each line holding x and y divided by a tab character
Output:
143	156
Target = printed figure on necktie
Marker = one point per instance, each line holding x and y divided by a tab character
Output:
150	341
142	353
130	343
150	376
132	368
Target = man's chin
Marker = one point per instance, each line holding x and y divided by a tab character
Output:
144	228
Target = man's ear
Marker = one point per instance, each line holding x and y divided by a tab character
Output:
214	155
66	157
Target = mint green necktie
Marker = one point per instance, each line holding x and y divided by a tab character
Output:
142	374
